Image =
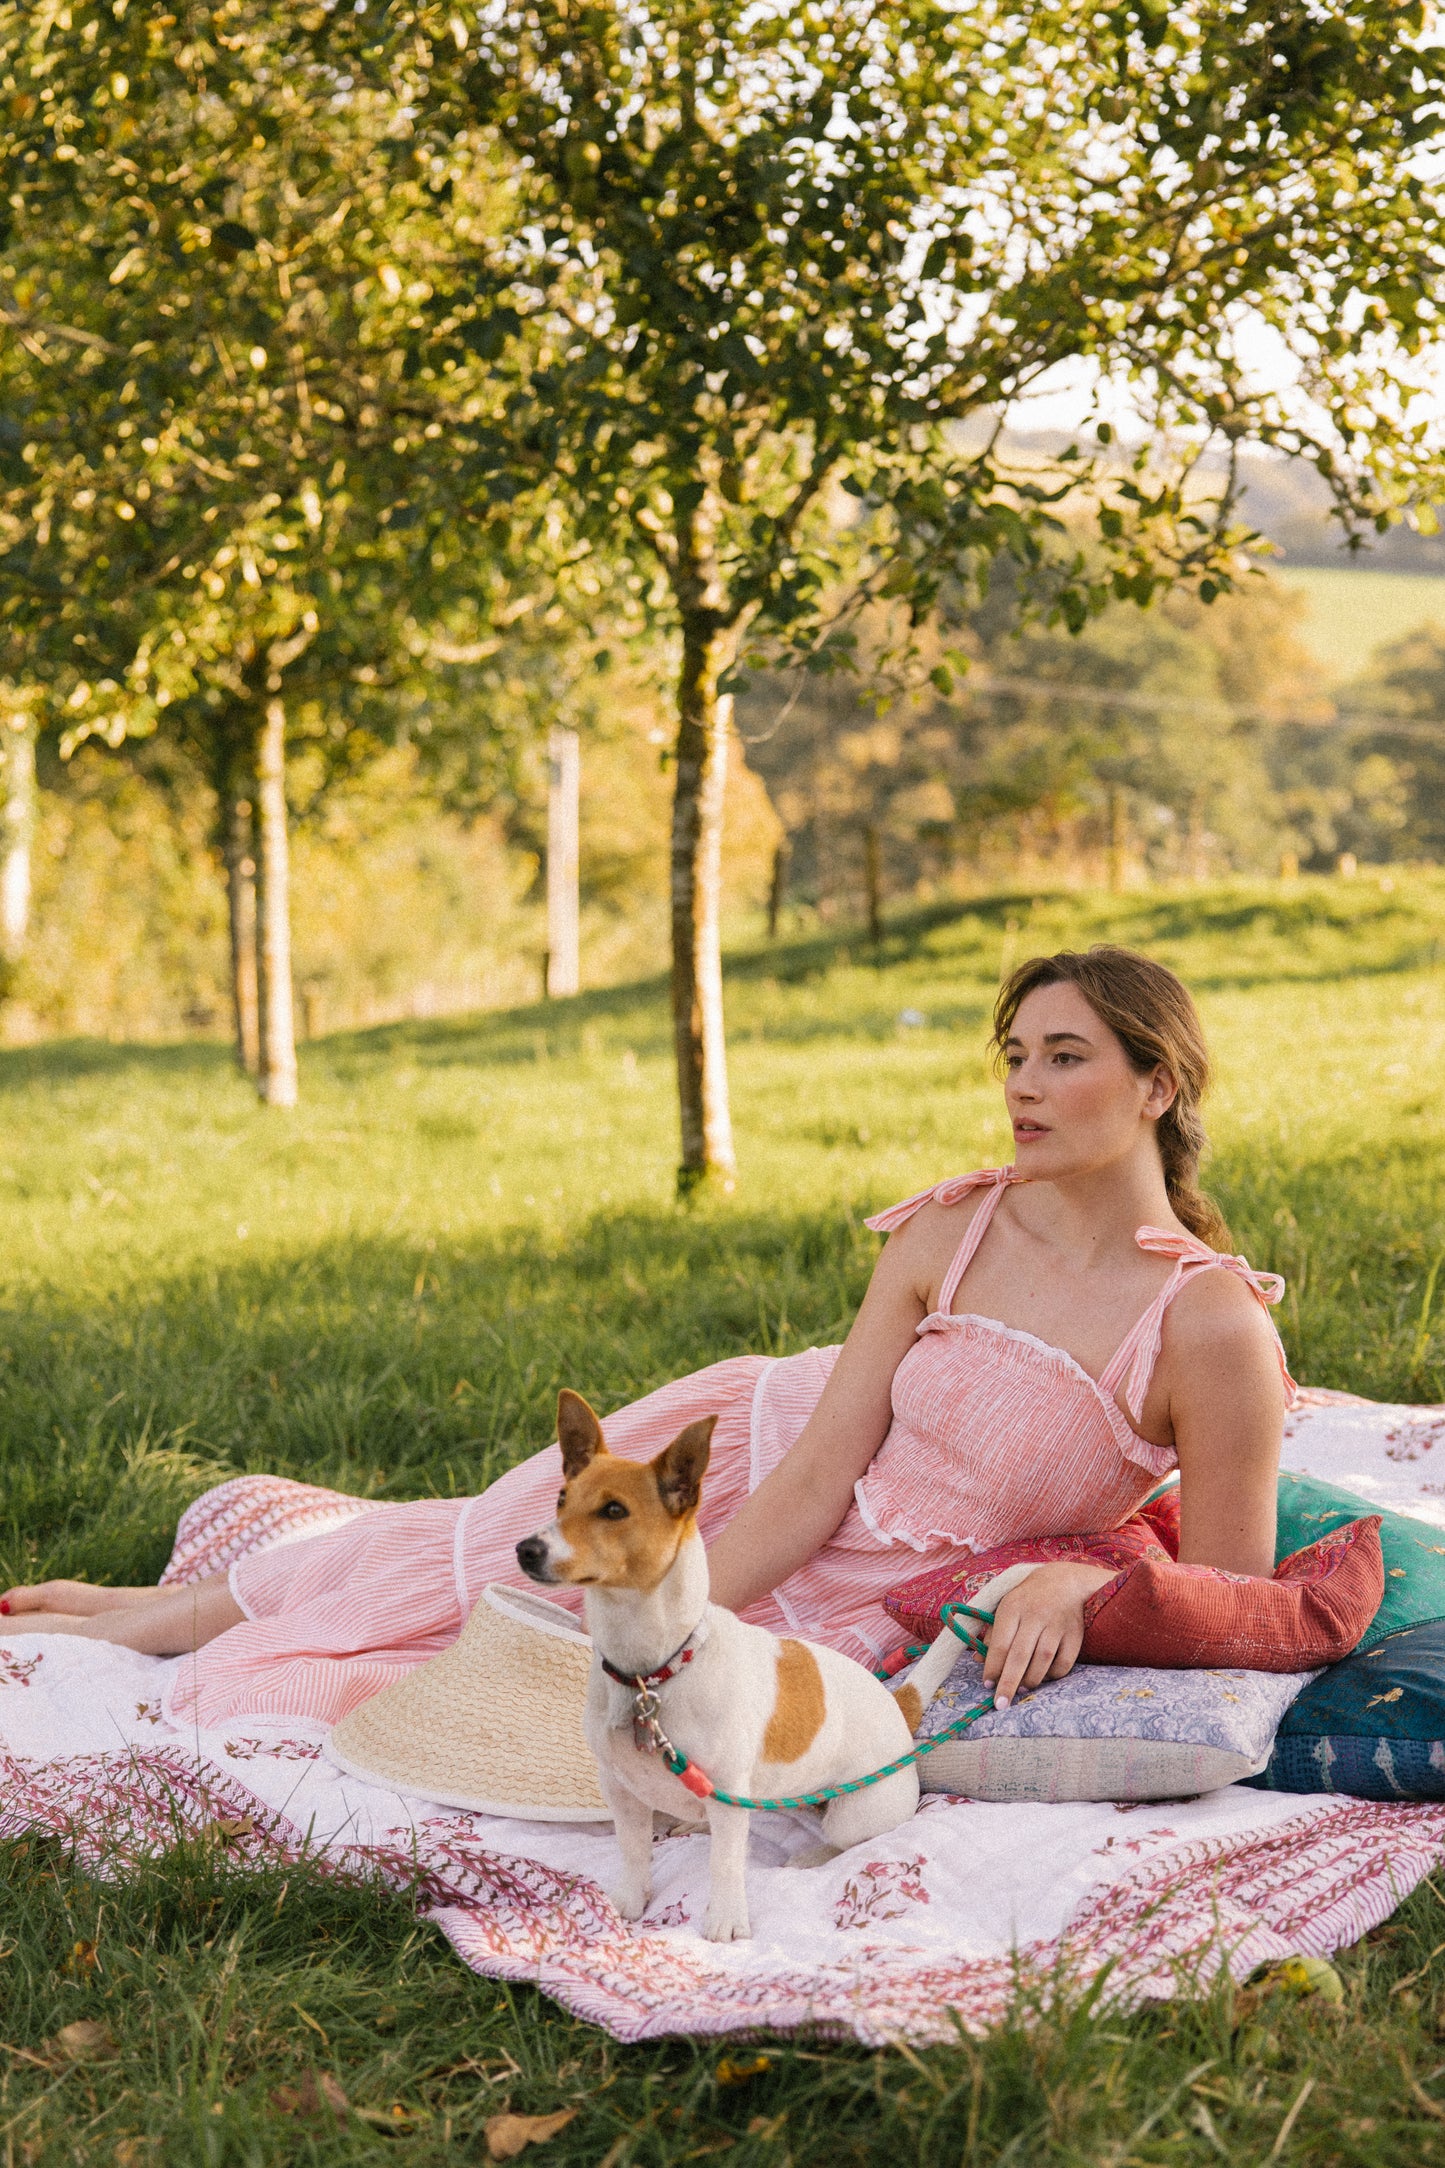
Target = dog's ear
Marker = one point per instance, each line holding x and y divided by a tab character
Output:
681	1468
578	1433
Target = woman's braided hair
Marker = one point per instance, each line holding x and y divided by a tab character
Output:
1151	1014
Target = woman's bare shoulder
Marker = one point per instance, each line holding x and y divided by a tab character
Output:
1215	1314
935	1223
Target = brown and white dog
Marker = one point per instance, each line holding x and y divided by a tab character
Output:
762	1717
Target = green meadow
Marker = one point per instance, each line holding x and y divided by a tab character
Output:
1351	610
384	1290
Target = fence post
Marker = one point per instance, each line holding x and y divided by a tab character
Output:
1118	840
777	888
17	831
873	883
564	766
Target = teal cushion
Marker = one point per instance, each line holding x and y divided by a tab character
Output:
1414	1552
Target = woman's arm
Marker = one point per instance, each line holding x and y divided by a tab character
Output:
798	1507
1218	1386
1226	1408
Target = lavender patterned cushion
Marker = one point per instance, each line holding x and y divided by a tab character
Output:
1109	1731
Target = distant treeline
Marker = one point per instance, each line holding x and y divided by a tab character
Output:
1179	742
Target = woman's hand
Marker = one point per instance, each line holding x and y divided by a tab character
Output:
1038	1628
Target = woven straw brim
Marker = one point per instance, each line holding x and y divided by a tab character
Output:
493	1724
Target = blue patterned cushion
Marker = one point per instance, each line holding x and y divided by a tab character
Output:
1108	1731
1373	1726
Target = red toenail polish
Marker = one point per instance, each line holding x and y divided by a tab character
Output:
5	1605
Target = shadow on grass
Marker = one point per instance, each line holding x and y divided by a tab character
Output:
401	1368
383	1367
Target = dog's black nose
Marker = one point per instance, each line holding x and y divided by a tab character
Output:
532	1557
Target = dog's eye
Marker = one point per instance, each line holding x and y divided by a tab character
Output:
561	1499
614	1510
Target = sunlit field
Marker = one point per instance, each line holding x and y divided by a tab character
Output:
1351	610
384	1291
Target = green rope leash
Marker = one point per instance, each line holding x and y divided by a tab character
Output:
701	1785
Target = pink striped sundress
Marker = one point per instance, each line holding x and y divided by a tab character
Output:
995	1435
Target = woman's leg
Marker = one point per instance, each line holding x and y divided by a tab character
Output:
79	1599
166	1622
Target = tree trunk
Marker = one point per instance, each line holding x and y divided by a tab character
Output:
704	717
239	843
564	973
276	1074
17	831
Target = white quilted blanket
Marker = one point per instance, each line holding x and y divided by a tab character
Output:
948	1915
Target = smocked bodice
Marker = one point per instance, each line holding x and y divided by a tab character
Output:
997	1435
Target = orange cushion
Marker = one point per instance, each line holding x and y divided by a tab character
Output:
1315	1610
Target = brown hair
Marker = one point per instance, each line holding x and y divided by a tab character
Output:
1151	1014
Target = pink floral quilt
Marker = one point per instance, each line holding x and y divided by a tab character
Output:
939	1923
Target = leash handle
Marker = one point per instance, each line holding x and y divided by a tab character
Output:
971	1638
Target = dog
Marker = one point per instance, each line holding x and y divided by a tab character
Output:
762	1717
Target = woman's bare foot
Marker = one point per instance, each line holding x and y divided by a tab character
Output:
168	1622
75	1599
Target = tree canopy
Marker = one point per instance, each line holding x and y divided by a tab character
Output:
766	262
336	336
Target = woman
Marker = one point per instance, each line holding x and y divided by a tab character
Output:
1038	1347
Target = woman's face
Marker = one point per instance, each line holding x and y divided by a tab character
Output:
1076	1101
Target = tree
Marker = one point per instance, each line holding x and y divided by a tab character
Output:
239	437
759	256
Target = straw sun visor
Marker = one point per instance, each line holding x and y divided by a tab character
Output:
493	1724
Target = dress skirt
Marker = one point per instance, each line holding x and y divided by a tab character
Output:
333	1617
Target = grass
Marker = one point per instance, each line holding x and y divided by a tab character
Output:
1354	609
384	1291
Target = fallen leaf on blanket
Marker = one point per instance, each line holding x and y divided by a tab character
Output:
1313	1976
87	2040
730	2073
317	2094
230	1826
508	2134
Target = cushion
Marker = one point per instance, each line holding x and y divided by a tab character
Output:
1317	1608
1413	1551
918	1604
1108	1732
1372	1726
1314	1610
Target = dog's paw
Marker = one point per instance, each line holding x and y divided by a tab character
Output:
631	1898
815	1855
727	1920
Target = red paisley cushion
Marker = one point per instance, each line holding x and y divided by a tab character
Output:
919	1603
1315	1610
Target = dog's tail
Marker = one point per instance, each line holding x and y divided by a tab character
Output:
928	1674
938	1660
910	1701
